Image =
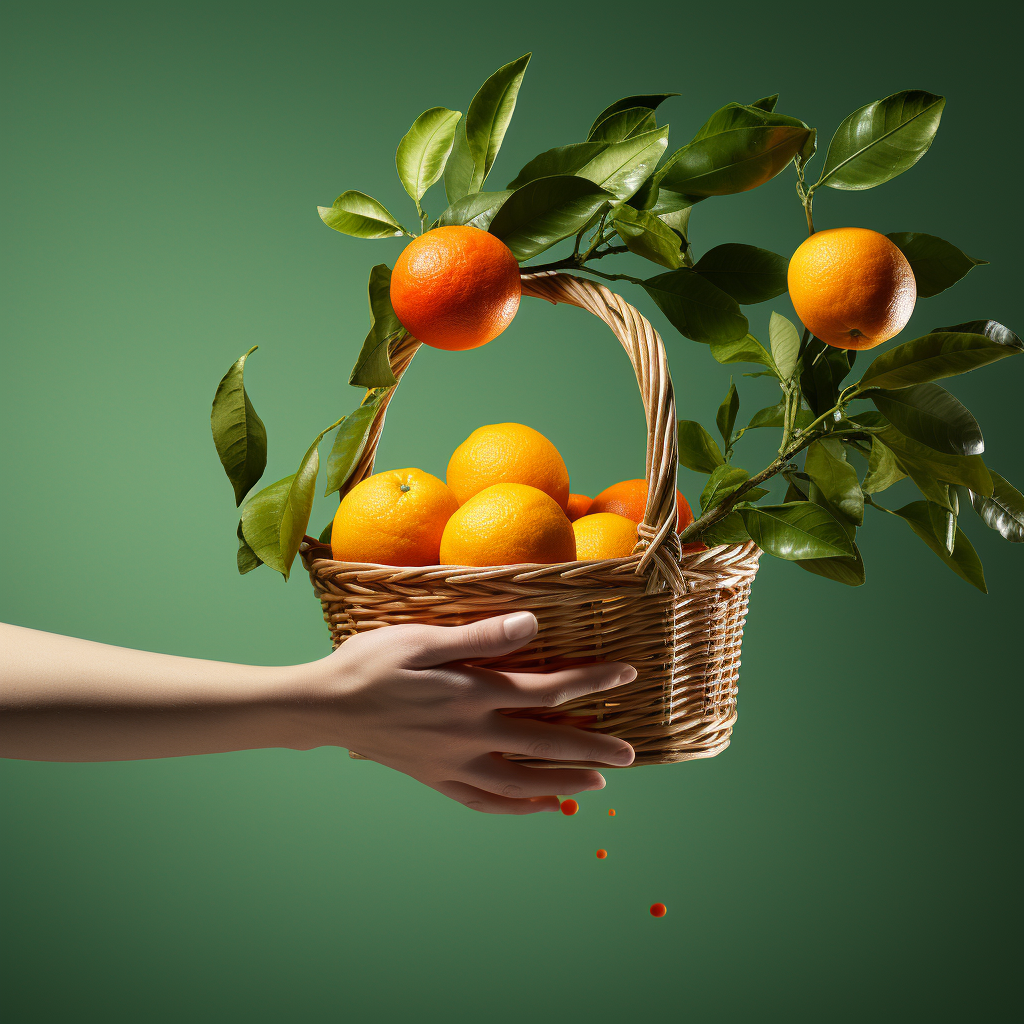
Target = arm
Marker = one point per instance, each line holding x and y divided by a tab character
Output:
400	695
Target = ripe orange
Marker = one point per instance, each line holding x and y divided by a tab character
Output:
393	518
629	498
507	524
577	506
851	287
455	287
604	535
507	453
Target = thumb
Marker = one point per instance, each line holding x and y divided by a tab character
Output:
489	638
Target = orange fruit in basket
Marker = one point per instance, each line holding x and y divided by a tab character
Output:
507	524
629	498
604	535
577	506
393	518
507	453
455	287
851	287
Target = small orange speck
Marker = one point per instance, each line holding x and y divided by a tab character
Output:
601	854
658	910
569	806
612	812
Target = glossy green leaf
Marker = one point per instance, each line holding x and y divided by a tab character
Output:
726	417
883	470
824	369
354	213
745	272
299	504
728	530
698	450
767	103
373	365
721	483
261	523
785	342
1003	511
475	210
775	416
490	112
424	149
647	236
350	441
246	559
929	522
931	415
797	530
942	353
936	263
827	467
651	102
696	308
920	462
325	533
622	167
462	177
560	160
623	124
743	350
545	211
848	571
881	140
238	433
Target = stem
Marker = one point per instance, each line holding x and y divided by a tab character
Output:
807	210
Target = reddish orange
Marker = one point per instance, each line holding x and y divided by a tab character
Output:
629	498
612	813
601	854
569	806
658	910
578	506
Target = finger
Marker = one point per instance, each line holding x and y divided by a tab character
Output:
552	742
497	775
488	638
490	803
548	689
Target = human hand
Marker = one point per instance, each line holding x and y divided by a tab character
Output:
402	696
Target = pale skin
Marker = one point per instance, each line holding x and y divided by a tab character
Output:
400	695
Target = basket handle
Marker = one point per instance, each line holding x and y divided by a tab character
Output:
658	542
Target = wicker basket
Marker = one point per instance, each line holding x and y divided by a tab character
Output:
677	618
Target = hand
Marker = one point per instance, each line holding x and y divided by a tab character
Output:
402	696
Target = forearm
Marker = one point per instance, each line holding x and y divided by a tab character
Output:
65	699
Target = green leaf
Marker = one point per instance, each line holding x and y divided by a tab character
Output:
881	140
775	416
743	350
354	213
373	365
698	450
424	149
261	523
623	124
766	102
728	530
931	415
325	533
696	308
1003	511
246	559
726	418
929	522
350	441
825	368
797	530
848	571
785	342
942	353
476	210
647	236
936	264
745	272
238	433
722	482
738	149
461	175
922	463
545	211
560	160
883	470
299	504
651	102
826	465
622	167
490	112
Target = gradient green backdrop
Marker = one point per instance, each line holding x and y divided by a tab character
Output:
851	857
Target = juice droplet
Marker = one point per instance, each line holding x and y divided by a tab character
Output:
601	854
612	812
569	806
658	910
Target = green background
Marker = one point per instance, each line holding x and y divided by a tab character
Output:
848	858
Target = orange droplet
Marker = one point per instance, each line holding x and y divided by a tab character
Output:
569	806
658	910
601	854
612	812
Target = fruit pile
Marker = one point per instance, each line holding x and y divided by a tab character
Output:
506	502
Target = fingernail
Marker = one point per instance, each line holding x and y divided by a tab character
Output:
624	756
520	626
627	675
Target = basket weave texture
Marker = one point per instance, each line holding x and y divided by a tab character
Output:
676	617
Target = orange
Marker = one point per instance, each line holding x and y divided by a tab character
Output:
507	453
455	287
508	524
393	518
577	506
851	287
629	498
604	535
